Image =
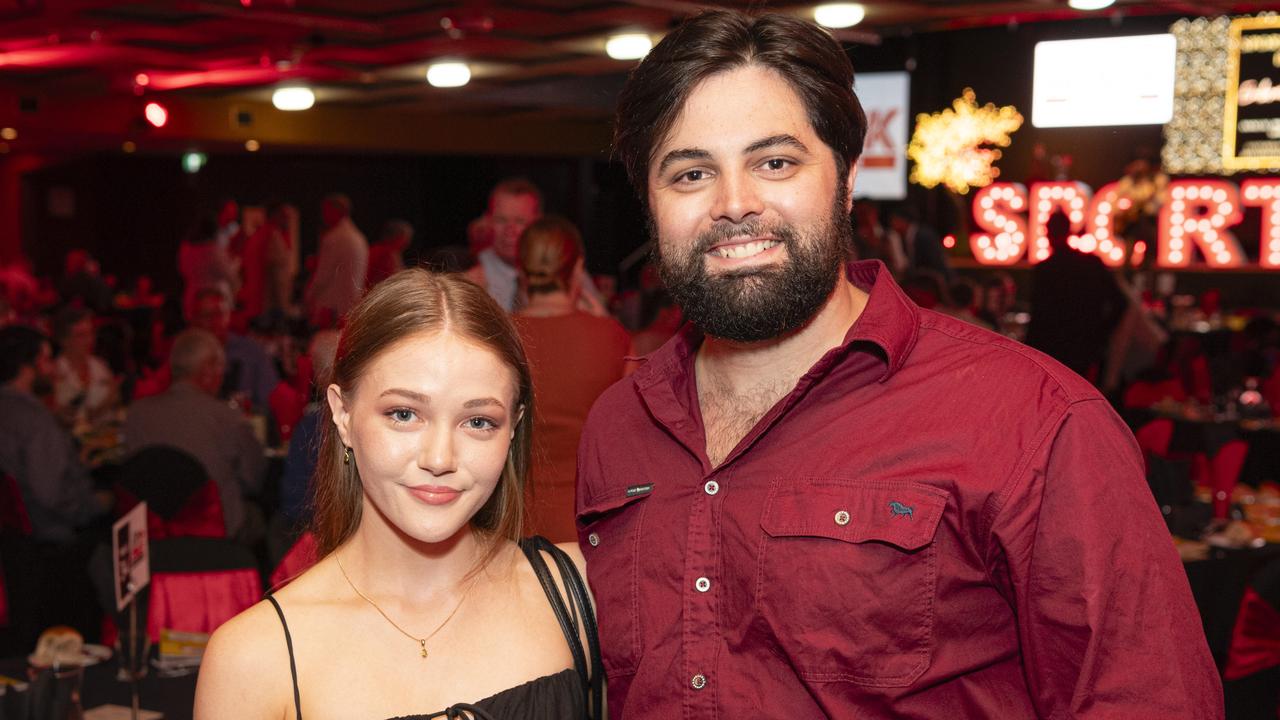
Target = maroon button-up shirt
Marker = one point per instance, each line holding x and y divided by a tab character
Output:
937	522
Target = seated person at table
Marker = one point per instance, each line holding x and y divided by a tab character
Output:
422	601
250	370
84	390
45	582
34	449
190	417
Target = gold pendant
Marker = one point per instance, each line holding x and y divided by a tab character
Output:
424	647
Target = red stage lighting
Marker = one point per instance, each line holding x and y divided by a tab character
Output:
156	114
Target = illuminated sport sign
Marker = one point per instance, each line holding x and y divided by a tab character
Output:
1195	217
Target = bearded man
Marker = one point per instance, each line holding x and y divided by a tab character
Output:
819	500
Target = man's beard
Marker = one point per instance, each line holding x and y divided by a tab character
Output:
758	304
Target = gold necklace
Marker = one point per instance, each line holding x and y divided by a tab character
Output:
422	641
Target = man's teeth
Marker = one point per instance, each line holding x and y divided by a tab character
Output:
745	250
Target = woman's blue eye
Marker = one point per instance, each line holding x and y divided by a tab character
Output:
402	415
479	423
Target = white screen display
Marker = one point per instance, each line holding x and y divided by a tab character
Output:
1104	81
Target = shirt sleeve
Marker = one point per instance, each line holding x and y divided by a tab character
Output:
58	481
1106	621
251	464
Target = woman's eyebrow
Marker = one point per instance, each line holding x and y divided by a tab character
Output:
406	393
482	402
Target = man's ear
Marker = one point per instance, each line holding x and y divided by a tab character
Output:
341	413
848	187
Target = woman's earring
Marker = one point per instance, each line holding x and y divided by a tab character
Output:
346	456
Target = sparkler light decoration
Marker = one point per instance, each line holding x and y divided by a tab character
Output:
958	147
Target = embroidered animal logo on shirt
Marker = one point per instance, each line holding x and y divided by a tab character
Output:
897	509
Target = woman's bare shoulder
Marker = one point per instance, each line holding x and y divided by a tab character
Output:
245	669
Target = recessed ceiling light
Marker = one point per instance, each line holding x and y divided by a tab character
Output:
1090	4
839	15
293	98
252	145
628	46
448	74
9	133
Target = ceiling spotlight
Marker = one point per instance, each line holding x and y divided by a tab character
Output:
1090	4
252	145
628	46
839	15
293	98
156	114
128	146
448	74
8	134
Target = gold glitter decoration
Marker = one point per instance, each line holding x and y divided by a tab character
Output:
952	147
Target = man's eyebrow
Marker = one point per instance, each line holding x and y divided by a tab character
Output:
773	141
482	402
682	154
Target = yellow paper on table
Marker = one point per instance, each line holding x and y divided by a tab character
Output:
178	644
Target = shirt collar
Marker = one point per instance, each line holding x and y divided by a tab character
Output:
890	322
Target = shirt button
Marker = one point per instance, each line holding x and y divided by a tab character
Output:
594	539
699	681
842	517
712	487
702	584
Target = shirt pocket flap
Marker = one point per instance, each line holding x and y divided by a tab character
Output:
610	501
903	514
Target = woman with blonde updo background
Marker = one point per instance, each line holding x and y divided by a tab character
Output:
573	355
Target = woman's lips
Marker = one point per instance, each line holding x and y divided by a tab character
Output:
435	494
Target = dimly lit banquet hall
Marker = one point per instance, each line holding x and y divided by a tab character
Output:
368	358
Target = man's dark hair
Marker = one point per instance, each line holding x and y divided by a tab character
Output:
19	348
807	57
1058	229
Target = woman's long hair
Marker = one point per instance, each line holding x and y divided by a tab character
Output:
406	304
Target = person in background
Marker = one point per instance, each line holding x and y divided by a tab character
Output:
820	500
281	262
999	298
573	356
85	390
46	580
1076	304
514	203
963	303
189	416
421	590
204	262
386	257
82	283
921	246
300	464
250	370
341	264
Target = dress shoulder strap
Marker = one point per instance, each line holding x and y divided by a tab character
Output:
293	666
576	616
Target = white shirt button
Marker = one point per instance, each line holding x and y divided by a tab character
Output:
842	517
712	487
702	584
699	681
594	539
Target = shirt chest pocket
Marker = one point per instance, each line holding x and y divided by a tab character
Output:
610	539
847	577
